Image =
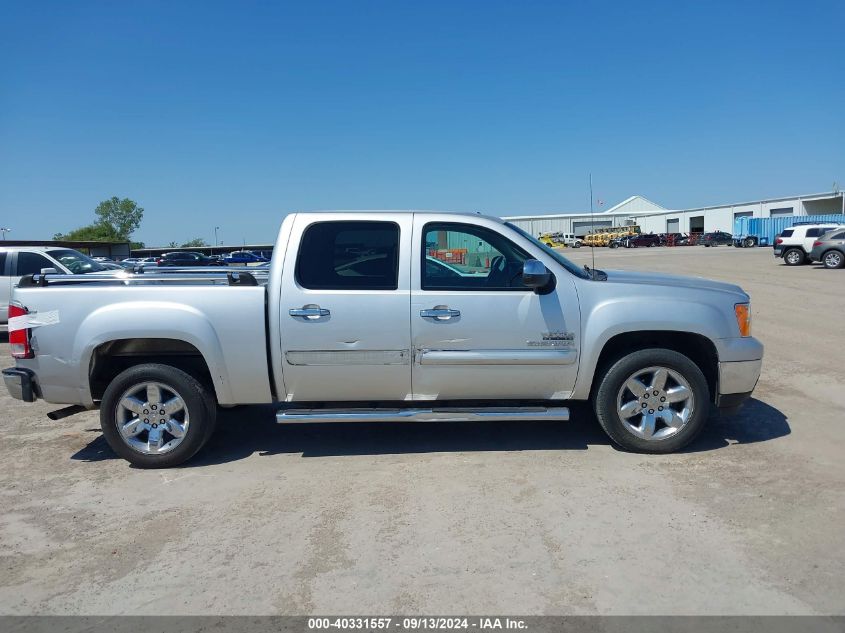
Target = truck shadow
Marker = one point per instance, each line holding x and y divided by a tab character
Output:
754	422
244	431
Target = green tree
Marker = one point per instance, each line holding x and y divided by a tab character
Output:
93	232
194	243
123	216
116	221
172	244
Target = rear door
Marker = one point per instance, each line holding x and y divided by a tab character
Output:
344	308
17	265
477	331
813	234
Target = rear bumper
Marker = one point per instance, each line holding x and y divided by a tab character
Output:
20	384
777	251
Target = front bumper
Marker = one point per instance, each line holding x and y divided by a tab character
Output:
737	380
20	384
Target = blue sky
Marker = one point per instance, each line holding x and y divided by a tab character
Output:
233	114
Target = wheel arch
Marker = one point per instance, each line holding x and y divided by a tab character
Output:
113	357
160	332
697	347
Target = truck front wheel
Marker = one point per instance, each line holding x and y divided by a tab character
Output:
652	401
156	416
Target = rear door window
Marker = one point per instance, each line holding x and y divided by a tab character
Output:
342	255
3	264
32	263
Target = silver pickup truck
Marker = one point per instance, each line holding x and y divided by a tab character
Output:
377	316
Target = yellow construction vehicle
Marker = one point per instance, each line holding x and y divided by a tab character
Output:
552	239
603	236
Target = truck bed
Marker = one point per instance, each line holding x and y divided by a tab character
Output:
224	321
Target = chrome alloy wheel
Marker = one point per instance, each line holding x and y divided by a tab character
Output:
655	403
833	259
152	418
793	257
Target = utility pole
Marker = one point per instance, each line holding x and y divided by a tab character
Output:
4	230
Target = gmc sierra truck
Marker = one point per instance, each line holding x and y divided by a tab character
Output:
379	316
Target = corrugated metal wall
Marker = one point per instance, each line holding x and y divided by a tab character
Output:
768	228
717	218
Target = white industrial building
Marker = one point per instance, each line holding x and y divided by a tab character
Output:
652	218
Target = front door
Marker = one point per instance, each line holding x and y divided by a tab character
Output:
344	316
477	331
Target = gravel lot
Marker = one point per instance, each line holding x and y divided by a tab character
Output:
462	518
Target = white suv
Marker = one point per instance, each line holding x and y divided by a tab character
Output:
17	261
796	242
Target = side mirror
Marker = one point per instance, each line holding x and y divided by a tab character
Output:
535	275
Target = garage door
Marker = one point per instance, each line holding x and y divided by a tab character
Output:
582	228
696	224
779	213
673	225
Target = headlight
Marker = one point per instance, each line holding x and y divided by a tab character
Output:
743	318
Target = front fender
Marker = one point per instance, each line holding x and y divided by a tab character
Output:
152	319
636	314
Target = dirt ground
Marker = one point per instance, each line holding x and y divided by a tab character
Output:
527	518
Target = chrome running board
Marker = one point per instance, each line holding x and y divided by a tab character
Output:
438	414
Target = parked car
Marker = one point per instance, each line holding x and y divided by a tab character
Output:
187	258
113	266
17	261
795	243
643	239
329	338
717	238
674	239
244	257
829	249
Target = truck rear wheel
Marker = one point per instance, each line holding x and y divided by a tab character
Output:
156	416
652	401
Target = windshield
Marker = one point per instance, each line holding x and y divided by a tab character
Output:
560	259
76	262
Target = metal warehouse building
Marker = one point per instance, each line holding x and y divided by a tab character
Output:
652	218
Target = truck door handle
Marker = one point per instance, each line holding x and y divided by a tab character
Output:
314	312
441	314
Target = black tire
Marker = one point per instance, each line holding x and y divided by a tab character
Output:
605	400
750	242
794	257
198	401
833	262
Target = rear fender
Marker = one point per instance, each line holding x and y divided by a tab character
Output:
152	319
